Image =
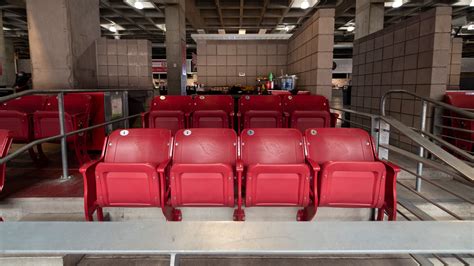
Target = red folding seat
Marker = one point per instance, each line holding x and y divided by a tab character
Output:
308	111
260	111
17	116
213	111
274	168
77	113
348	173
6	138
463	139
128	172
203	169
171	112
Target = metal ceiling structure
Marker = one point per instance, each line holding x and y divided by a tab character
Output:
232	15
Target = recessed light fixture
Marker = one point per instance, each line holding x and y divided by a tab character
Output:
262	31
221	31
201	31
472	3
242	31
113	28
470	27
350	28
161	27
304	4
5	28
397	3
138	4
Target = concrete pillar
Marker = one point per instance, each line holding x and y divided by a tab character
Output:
7	59
62	35
176	47
369	17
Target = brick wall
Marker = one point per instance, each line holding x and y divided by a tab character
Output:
310	53
412	55
219	62
454	67
124	63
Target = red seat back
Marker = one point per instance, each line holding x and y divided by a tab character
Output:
339	144
461	99
26	104
205	146
138	145
214	102
172	103
5	143
272	146
73	103
303	102
259	102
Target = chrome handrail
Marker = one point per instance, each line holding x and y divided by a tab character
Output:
426	99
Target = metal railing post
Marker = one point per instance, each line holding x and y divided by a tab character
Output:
62	131
421	151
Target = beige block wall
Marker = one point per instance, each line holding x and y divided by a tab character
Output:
413	55
454	67
219	62
310	53
124	63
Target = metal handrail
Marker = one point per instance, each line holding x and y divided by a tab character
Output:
426	99
61	111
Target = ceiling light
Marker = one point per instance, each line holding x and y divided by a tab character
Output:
221	31
470	27
112	28
304	4
201	31
472	3
138	4
397	3
262	31
242	31
5	28
350	28
161	27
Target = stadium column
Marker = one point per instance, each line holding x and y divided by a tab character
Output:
369	17
62	36
176	46
7	61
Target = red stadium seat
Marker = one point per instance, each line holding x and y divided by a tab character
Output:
77	113
260	111
5	143
348	173
464	140
274	168
171	112
17	116
6	138
203	169
213	111
129	172
308	111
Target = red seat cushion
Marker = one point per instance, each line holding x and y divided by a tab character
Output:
303	120
210	119
172	120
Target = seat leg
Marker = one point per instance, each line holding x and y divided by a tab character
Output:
89	212
239	215
306	214
80	148
380	214
100	214
38	157
172	214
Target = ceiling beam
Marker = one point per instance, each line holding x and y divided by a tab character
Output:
285	12
193	15
219	11
241	18
265	4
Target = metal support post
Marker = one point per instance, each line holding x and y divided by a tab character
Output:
62	131
125	108
421	151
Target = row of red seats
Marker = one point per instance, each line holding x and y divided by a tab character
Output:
254	111
327	167
35	117
462	139
5	143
